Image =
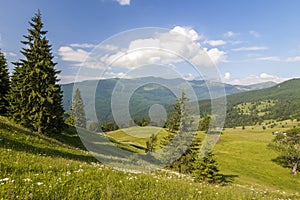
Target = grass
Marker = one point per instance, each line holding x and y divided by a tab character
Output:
138	136
245	153
34	166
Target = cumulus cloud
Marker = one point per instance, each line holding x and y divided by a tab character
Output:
252	48
254	79
215	42
166	48
124	2
170	48
69	54
230	34
186	31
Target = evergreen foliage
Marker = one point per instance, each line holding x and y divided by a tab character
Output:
4	84
206	169
77	116
35	98
150	144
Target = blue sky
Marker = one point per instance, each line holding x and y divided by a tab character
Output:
252	41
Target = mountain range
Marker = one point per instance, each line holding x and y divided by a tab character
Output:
155	91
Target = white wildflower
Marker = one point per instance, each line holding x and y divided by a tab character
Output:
4	179
40	183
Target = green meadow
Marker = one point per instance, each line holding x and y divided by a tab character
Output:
34	166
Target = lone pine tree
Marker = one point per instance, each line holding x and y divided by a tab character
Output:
77	116
4	84
35	97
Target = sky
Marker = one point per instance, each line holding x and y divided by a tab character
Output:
249	41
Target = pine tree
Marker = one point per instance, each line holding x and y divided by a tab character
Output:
35	97
77	116
176	119
150	144
4	84
177	144
206	169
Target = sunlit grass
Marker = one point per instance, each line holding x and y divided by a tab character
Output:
33	166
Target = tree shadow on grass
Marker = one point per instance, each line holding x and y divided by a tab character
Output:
45	151
10	141
227	178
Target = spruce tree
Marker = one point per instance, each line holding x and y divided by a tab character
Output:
77	116
206	169
176	146
35	97
4	84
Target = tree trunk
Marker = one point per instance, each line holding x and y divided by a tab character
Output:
40	130
295	167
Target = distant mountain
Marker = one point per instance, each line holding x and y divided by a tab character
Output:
157	91
279	102
257	86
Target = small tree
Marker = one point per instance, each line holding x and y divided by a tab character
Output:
204	123
4	84
150	144
77	116
177	116
206	169
289	148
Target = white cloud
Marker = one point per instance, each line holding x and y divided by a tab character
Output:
182	41
215	42
69	54
252	48
217	56
235	42
255	34
270	58
186	31
227	75
230	34
124	2
168	48
293	59
188	77
116	75
10	54
84	45
254	79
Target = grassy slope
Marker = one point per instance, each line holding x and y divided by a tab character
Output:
37	167
244	155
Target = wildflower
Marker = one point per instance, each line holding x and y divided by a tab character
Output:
4	179
39	183
27	180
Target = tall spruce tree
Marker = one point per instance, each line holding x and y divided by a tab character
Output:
35	97
77	116
4	84
176	145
